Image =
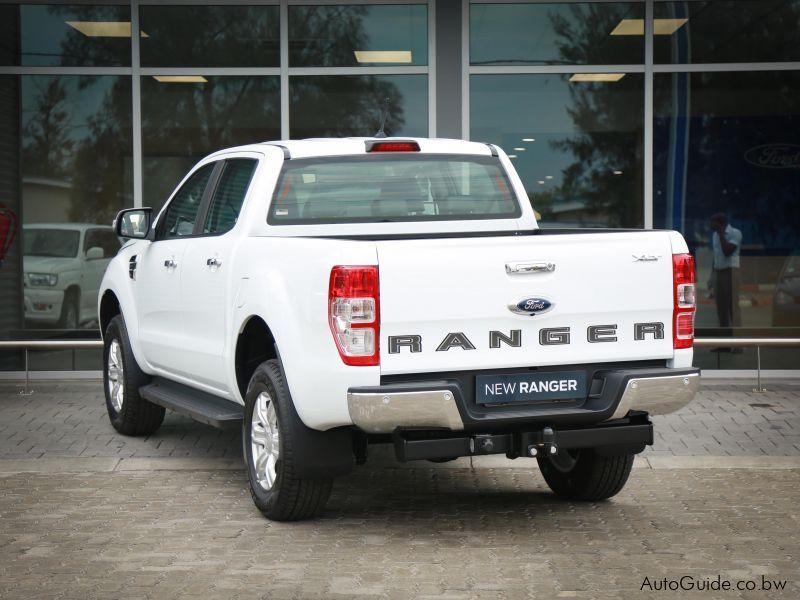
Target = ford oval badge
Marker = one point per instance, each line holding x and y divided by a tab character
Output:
531	306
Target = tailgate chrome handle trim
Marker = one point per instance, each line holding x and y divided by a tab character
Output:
530	267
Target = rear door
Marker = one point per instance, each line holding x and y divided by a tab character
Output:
206	289
480	303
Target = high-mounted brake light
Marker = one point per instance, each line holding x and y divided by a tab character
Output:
354	314
683	284
392	147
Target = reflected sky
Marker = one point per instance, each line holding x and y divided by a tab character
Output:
330	35
508	34
47	39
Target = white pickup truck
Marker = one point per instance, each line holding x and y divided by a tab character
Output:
327	294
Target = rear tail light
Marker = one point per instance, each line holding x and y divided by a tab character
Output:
354	314
683	284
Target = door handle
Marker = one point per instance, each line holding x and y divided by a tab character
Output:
213	262
170	263
531	267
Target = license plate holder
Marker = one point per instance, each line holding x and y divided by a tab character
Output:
530	387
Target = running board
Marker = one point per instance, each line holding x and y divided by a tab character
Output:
200	406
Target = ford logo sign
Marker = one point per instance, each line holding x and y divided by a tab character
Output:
531	306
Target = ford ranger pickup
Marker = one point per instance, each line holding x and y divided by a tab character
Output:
328	294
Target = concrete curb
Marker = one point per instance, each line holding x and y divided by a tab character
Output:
71	464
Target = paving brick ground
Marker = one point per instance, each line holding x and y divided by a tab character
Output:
395	534
69	419
85	513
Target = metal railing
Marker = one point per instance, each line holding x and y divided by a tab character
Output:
756	343
27	345
726	342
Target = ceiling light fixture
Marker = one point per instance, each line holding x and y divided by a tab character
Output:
528	139
104	28
180	78
660	26
512	156
520	149
383	56
597	76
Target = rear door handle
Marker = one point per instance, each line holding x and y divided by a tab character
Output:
170	263
213	262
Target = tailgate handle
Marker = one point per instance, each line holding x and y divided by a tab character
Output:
530	267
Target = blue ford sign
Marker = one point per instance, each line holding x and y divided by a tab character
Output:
531	306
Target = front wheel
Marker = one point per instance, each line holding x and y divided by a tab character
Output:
584	474
69	312
268	438
130	414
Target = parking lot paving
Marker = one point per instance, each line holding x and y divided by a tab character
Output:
85	513
69	419
396	533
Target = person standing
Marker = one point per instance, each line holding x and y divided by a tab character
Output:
726	244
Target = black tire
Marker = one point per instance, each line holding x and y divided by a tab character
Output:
132	415
585	475
70	312
289	497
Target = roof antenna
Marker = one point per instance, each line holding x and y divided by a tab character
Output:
381	133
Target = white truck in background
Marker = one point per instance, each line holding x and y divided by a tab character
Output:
327	294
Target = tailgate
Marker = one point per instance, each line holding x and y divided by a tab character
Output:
442	299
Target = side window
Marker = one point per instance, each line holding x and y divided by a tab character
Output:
109	242
182	212
229	195
104	239
90	239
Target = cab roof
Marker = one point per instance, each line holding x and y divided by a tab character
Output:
314	147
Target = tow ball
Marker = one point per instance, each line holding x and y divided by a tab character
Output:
547	445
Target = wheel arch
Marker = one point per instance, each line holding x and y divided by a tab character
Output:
109	308
254	345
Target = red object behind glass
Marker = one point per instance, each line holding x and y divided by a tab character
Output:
8	230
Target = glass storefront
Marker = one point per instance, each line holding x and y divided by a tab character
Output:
727	143
107	105
577	145
183	121
555	33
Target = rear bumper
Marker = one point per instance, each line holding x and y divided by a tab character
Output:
448	403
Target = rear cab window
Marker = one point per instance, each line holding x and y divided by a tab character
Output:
380	188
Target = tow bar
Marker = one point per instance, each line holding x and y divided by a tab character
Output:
625	436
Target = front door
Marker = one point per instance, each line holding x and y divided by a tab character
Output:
158	273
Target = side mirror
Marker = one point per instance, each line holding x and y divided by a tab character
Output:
94	253
133	223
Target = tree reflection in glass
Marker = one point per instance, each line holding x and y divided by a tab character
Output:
184	121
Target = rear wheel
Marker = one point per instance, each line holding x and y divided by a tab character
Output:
129	413
268	441
584	474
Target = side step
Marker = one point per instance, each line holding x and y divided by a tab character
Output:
200	406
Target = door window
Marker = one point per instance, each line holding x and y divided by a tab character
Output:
181	215
104	239
229	195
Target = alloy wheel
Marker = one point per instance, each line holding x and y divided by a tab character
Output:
265	440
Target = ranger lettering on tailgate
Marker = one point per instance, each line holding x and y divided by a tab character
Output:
548	336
